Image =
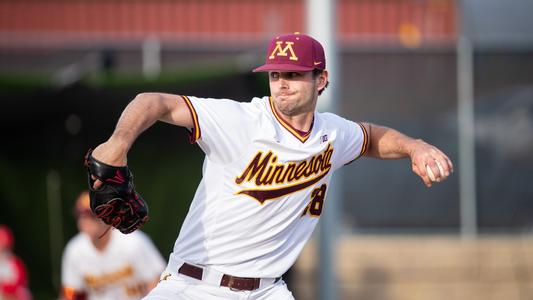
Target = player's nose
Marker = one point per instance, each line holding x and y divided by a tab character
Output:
283	84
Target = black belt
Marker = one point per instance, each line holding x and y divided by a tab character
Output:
233	282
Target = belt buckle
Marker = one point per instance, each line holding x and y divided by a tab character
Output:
231	281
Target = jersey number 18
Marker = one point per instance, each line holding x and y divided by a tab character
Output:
314	208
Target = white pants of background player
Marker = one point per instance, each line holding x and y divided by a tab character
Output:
181	287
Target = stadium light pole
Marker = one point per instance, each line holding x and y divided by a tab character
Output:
55	223
321	25
151	54
465	119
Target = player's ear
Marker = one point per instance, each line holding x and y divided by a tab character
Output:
322	79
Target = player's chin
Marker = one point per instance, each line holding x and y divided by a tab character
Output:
288	110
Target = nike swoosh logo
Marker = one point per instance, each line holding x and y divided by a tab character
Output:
317	63
264	195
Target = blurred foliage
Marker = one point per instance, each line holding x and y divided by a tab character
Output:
18	82
180	78
32	81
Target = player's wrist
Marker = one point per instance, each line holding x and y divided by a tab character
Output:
113	152
121	142
410	145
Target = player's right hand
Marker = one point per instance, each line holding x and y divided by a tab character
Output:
424	156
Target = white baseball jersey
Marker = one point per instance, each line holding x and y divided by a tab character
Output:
120	271
264	185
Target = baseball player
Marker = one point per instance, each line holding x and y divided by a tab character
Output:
266	174
110	266
13	275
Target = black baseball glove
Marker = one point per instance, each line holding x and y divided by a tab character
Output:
115	202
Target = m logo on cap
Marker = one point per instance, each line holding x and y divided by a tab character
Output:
283	51
293	53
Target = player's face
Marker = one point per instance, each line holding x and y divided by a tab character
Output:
90	225
293	92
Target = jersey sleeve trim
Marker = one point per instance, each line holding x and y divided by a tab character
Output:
364	146
196	133
69	293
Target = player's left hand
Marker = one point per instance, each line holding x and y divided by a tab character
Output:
115	201
430	163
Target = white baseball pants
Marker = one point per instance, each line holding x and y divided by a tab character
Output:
181	287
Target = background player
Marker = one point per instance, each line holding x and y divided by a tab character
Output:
13	276
265	177
112	266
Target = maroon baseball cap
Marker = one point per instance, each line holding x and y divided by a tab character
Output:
294	52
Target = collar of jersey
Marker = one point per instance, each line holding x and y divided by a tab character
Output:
297	133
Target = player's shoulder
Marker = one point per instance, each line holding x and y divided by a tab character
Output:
260	102
256	105
78	243
225	106
254	102
135	238
331	120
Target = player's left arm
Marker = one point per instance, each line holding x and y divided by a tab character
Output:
72	294
387	143
151	285
152	263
